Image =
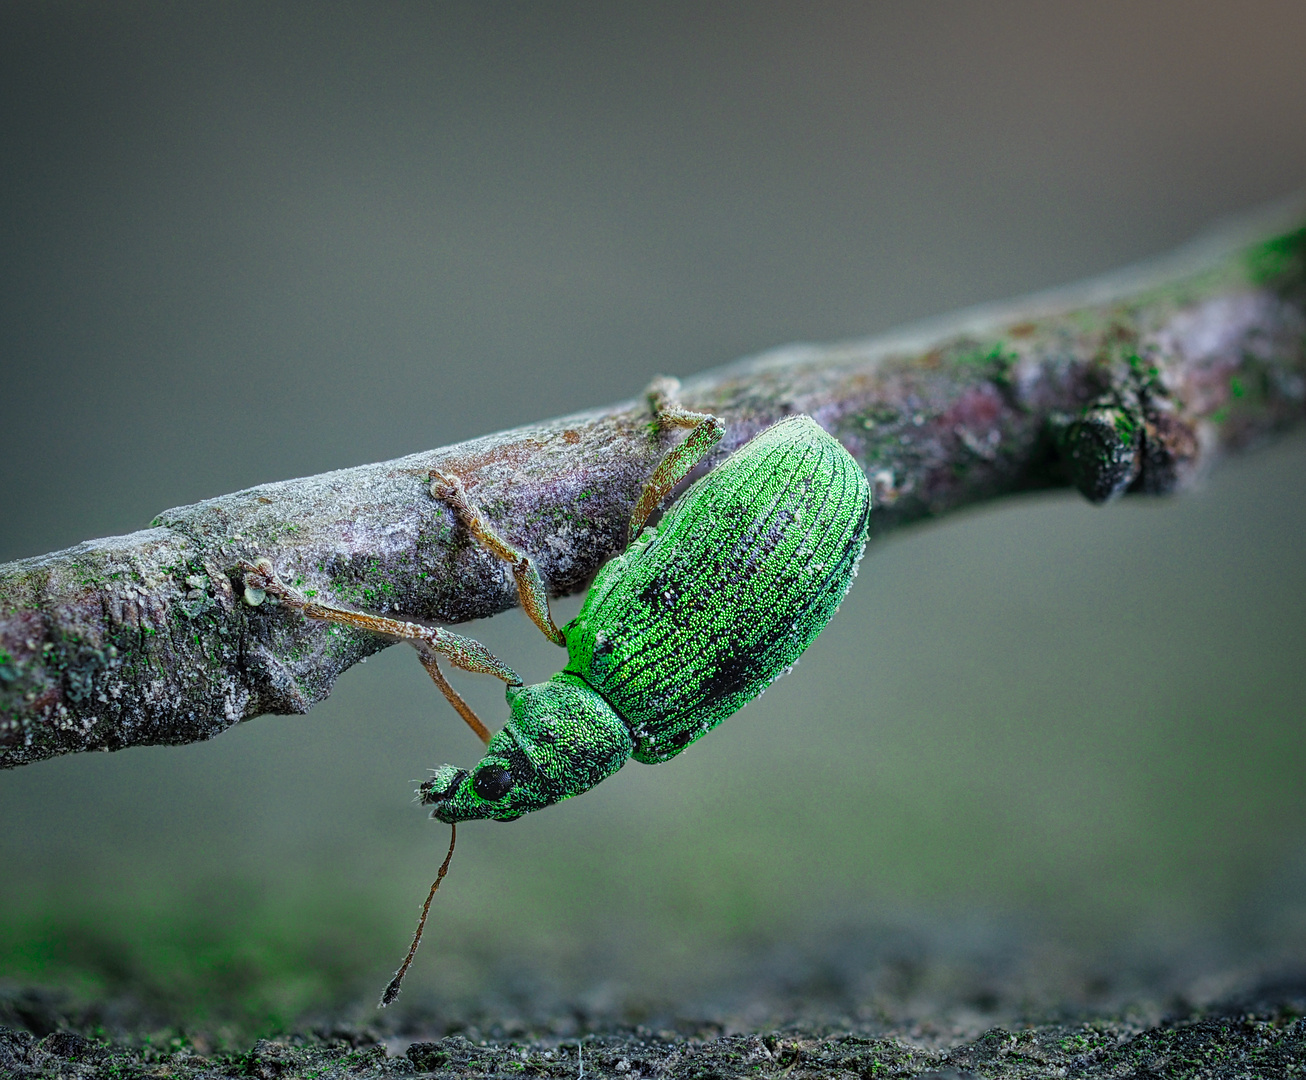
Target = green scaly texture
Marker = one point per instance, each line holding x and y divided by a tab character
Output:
697	617
560	740
701	614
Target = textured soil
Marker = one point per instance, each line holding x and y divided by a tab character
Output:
1257	1031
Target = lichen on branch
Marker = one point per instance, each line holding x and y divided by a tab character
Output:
1134	383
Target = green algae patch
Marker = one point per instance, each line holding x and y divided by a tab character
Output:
1280	263
238	967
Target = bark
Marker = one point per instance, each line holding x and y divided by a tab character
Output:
1132	383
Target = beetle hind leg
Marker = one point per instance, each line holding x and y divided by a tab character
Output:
705	432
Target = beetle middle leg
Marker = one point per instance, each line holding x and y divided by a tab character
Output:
705	432
429	641
530	586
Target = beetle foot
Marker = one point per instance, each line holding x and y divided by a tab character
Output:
447	487
663	396
261	581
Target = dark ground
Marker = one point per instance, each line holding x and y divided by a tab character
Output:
904	1004
1260	1032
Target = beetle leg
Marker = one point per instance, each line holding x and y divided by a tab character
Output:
463	652
530	586
455	699
705	432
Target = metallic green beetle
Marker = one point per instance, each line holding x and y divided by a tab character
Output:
694	619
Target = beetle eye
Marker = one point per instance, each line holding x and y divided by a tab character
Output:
492	782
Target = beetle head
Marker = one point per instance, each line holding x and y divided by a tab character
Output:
560	739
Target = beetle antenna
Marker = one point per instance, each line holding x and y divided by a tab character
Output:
392	990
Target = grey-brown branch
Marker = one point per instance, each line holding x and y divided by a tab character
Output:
1133	383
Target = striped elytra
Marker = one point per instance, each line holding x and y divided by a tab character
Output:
699	615
693	620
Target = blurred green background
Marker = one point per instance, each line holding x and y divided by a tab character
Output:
245	242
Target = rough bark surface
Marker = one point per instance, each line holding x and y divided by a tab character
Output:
1133	383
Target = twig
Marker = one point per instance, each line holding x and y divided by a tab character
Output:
1131	383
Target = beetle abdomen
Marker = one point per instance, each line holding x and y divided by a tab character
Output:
698	616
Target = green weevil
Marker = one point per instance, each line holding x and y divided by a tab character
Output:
697	616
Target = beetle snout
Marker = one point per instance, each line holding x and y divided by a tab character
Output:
442	785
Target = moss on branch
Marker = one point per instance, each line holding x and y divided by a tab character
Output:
1134	383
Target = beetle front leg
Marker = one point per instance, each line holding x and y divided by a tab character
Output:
463	652
530	586
705	432
454	698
